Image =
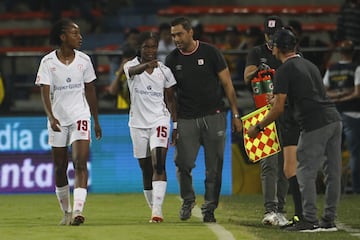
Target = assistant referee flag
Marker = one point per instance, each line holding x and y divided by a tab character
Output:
266	143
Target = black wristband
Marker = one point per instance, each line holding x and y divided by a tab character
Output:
258	128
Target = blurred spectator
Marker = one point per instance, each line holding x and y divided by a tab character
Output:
348	25
84	7
22	6
166	44
199	32
253	37
129	45
319	58
342	80
118	85
233	42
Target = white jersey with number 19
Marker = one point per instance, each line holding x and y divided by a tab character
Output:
67	85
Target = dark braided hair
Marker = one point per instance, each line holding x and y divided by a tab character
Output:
145	36
57	29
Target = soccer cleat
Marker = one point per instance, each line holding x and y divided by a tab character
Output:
304	226
156	216
185	211
78	218
282	220
327	225
270	218
291	222
209	217
66	220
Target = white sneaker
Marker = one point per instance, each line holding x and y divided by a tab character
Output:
66	220
270	218
282	220
156	216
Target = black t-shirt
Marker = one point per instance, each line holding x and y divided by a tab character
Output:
199	91
301	81
262	54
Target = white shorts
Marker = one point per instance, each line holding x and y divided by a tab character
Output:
146	139
79	130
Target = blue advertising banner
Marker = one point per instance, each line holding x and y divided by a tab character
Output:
26	163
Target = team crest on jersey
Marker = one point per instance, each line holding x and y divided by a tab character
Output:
200	61
178	67
68	79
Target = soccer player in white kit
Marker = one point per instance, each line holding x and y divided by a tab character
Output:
66	77
151	86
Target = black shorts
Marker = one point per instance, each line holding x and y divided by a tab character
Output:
289	129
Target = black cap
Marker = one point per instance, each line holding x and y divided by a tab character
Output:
284	39
272	24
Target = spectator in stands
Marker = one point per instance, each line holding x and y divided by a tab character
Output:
233	42
128	46
84	6
348	25
319	58
199	32
253	37
66	78
119	87
21	6
166	44
274	183
342	80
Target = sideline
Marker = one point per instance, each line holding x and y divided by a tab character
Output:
217	229
352	231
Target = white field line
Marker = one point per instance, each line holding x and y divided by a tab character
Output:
217	229
220	231
352	231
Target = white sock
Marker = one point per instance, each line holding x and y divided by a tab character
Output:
148	196
63	196
159	189
79	199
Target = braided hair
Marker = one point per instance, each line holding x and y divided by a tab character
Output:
57	29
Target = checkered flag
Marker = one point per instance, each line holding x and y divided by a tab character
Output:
266	143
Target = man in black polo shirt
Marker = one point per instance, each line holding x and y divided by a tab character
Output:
202	76
299	82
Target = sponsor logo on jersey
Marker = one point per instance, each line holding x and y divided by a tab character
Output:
200	61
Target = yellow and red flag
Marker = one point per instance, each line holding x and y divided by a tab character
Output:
266	143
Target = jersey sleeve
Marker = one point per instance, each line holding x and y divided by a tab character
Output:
326	79
89	74
281	82
169	76
253	57
128	65
43	74
357	76
220	60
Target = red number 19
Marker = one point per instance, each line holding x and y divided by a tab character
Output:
82	125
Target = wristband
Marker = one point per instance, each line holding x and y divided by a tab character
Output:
174	125
236	116
258	128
